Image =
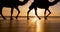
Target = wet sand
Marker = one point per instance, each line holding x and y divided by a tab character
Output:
52	24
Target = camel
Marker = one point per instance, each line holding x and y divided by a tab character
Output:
43	4
11	4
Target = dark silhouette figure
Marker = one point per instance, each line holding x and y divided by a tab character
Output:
11	4
44	4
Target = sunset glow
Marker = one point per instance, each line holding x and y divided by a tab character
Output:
54	9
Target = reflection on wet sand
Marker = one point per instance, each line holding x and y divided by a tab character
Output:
32	25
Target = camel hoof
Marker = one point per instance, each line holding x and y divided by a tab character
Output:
39	18
4	18
11	19
27	18
16	17
45	18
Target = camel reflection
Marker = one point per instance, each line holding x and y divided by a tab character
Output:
22	25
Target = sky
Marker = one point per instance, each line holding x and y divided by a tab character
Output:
55	10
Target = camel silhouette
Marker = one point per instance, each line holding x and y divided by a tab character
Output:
11	4
43	4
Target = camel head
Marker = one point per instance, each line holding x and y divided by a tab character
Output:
57	0
54	2
23	3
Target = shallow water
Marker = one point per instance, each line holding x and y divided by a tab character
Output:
52	24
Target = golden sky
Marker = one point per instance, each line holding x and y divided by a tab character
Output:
55	10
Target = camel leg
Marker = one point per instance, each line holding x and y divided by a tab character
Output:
11	13
3	16
45	14
28	13
49	12
36	13
18	12
1	13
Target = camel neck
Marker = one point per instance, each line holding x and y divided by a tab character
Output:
23	3
53	3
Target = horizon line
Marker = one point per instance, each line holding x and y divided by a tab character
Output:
34	16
